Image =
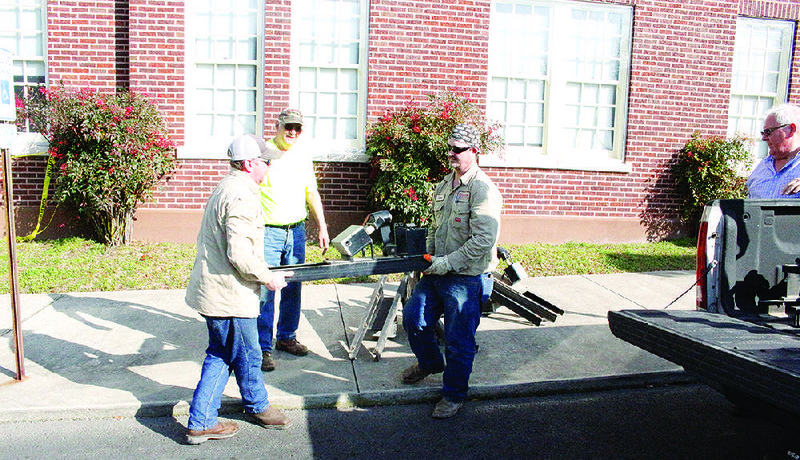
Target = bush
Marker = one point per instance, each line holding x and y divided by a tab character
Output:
409	153
709	169
109	152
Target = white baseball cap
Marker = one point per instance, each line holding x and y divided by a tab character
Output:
249	146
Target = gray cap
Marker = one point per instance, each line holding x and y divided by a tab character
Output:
249	146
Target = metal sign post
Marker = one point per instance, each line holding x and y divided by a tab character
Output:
12	262
8	131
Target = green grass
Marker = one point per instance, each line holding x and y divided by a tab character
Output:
78	265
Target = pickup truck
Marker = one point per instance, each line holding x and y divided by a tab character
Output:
743	339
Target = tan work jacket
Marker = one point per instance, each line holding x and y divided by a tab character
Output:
229	268
466	222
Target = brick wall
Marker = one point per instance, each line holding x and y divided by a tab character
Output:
277	49
157	58
679	83
88	42
422	47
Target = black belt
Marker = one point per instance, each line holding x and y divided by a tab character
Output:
287	226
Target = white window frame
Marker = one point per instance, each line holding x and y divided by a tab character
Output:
199	143
762	52
27	143
326	148
553	154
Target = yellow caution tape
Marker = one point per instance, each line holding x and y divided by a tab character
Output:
43	203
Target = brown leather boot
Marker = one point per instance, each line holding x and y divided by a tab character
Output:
271	418
219	431
292	347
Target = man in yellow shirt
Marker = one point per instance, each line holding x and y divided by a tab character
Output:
288	187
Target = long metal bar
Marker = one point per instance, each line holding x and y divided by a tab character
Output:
12	262
522	305
354	268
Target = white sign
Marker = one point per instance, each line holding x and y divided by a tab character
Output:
8	109
8	133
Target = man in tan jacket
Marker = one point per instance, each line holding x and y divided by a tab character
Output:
224	288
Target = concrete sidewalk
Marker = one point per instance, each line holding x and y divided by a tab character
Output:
138	353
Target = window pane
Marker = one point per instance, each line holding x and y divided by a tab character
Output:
22	33
575	54
223	101
224	125
761	61
225	85
330	67
246	101
246	77
205	99
247	123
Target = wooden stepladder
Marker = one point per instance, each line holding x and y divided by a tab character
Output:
381	314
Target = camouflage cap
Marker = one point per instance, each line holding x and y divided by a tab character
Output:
290	116
467	134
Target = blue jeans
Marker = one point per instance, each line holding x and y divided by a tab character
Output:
232	346
281	247
457	298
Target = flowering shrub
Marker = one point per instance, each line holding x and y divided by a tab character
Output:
109	152
710	169
409	153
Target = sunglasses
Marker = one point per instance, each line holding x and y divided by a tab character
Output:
296	127
455	149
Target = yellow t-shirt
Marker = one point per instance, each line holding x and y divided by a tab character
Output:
286	186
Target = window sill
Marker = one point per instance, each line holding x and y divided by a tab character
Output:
544	162
29	144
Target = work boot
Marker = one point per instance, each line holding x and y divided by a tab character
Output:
291	346
271	418
219	431
446	408
267	362
415	374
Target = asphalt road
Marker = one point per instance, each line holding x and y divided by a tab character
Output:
677	422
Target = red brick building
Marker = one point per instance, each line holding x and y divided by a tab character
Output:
594	96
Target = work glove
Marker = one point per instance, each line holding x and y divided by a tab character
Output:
439	266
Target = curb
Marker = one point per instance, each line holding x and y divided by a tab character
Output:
368	399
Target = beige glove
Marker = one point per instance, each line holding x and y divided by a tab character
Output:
439	266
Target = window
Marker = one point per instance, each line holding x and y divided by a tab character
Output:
329	68
22	32
558	76
761	61
224	74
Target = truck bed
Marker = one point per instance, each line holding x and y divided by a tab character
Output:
745	361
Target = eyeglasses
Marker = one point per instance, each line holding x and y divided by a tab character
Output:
296	127
768	131
455	149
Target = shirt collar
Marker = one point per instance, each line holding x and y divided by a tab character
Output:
468	176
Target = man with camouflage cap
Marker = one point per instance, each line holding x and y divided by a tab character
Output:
462	239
